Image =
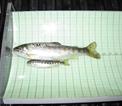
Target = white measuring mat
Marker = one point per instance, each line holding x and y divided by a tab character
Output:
85	79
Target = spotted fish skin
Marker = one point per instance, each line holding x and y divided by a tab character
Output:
55	51
25	50
42	44
46	63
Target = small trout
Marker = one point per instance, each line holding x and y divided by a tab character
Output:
54	51
46	63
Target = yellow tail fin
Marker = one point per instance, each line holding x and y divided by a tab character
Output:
91	50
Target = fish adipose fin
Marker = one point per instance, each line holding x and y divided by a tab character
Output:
91	50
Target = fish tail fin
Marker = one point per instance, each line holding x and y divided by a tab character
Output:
91	50
66	62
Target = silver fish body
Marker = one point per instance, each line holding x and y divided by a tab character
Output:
54	51
34	50
46	63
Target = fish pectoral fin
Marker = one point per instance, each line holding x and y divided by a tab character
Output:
30	55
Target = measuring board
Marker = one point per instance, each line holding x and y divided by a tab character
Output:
85	79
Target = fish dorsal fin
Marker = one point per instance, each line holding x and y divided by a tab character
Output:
57	43
53	44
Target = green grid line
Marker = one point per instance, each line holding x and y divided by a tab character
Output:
91	60
103	57
100	76
79	73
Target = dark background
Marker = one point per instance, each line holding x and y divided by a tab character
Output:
28	5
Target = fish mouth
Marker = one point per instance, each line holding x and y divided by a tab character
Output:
15	49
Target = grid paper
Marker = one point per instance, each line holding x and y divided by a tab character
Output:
85	77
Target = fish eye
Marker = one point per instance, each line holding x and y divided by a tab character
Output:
18	49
